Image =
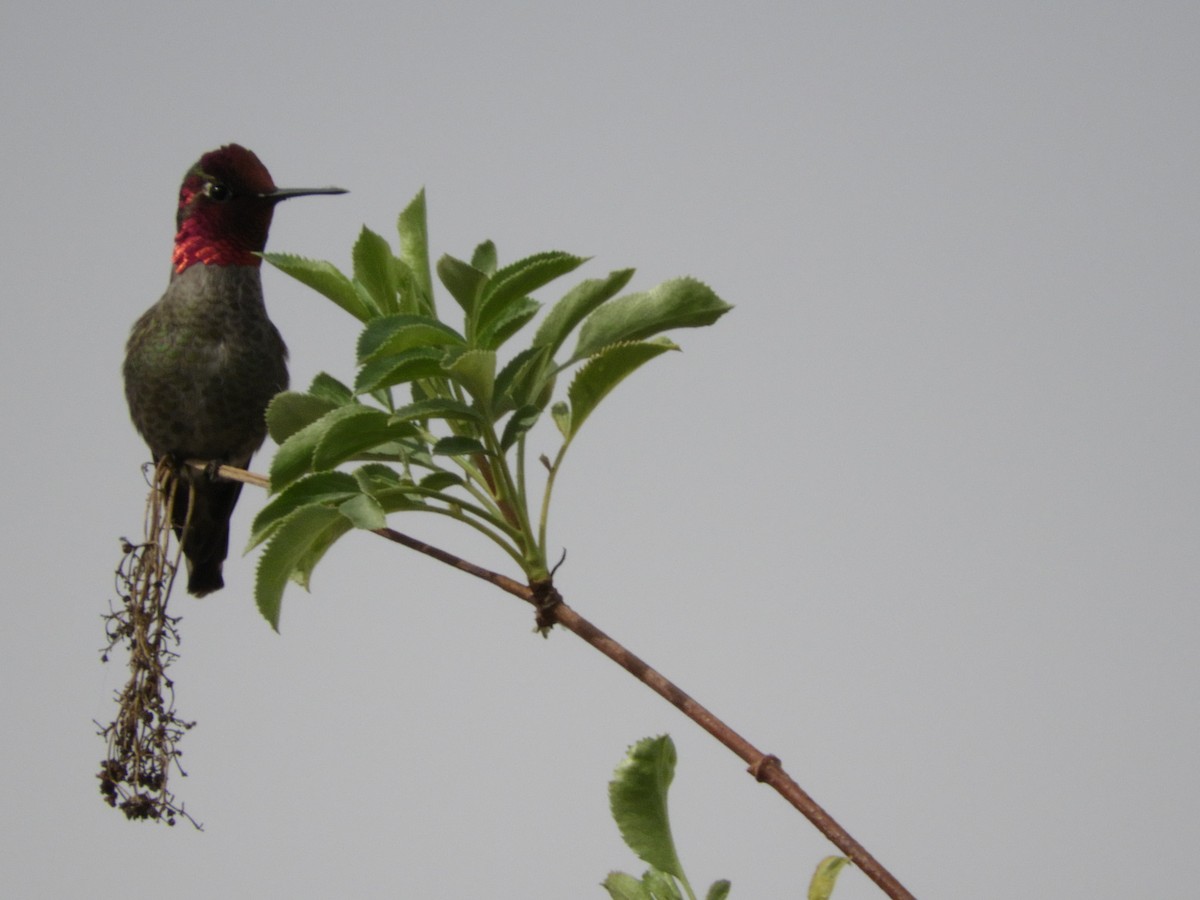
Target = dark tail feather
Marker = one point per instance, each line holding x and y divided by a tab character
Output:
207	541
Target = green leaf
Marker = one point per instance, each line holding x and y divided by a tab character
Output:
348	438
412	302
604	371
637	796
397	333
400	499
416	453
463	281
414	249
458	445
475	370
514	317
561	413
370	304
527	275
514	282
678	303
288	412
520	382
329	388
376	476
317	548
294	457
575	305
719	890
622	886
439	481
400	368
661	885
484	258
322	277
364	512
373	269
323	488
389	488
824	878
382	396
519	423
293	550
437	408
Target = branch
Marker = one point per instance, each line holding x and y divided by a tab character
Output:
552	610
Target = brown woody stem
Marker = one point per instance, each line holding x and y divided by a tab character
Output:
552	610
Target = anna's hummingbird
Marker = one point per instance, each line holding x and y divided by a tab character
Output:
203	362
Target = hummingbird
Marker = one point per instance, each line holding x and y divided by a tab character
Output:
203	362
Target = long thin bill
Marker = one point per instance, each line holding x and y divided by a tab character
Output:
285	193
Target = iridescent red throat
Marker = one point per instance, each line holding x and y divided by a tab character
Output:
195	244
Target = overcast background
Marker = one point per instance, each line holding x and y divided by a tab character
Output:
919	516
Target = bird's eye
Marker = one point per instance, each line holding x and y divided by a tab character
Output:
216	191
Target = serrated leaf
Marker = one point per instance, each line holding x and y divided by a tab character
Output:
382	396
440	480
678	303
373	269
519	423
348	438
414	249
372	474
294	457
322	488
397	333
437	408
463	281
458	445
575	306
637	796
324	278
623	886
329	388
367	299
416	453
514	317
400	368
290	551
364	512
399	499
518	383
475	370
317	549
484	258
527	275
288	412
719	890
825	877
604	371
515	281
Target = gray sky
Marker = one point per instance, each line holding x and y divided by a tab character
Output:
919	516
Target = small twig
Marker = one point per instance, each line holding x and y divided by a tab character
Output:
232	473
552	610
501	581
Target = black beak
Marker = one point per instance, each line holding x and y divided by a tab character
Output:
286	193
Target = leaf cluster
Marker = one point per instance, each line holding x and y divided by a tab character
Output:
437	414
637	797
